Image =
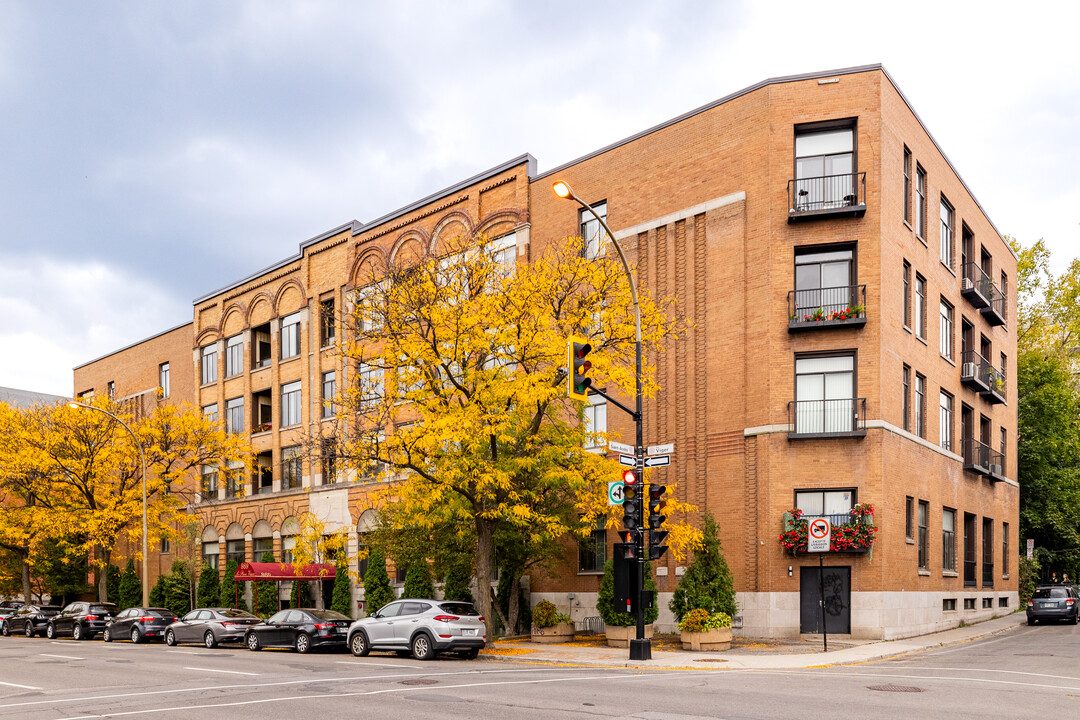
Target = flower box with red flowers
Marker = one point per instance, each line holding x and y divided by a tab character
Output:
857	535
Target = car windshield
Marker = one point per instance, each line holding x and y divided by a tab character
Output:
459	608
110	608
1051	592
327	615
234	613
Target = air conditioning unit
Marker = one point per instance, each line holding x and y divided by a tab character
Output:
969	369
967	284
997	471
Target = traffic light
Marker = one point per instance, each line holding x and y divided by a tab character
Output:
657	536
626	548
657	548
577	384
631	500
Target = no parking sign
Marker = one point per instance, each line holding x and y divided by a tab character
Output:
818	535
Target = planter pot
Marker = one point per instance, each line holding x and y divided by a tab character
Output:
563	632
620	637
711	640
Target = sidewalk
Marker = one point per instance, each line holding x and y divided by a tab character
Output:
746	655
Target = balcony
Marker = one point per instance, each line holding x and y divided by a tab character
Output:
996	466
829	196
843	417
976	456
821	308
851	533
995	312
974	371
995	385
975	285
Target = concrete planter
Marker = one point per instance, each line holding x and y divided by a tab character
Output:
563	632
711	640
620	637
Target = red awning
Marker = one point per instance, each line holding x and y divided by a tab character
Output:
284	571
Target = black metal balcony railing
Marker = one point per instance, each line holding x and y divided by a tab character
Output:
995	383
843	417
988	574
828	195
995	313
976	456
995	469
975	285
826	307
974	370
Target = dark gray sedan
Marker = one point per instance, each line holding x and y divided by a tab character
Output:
138	624
210	626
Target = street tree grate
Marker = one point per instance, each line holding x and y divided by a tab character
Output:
896	688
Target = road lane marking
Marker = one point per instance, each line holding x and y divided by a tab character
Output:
62	657
354	662
987	681
188	652
230	672
16	685
1009	672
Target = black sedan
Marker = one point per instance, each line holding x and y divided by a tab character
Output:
1054	602
8	607
29	620
80	620
210	626
138	624
300	628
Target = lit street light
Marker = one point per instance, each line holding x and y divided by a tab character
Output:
142	457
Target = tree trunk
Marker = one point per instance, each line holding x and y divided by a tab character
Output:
515	593
485	539
25	567
103	574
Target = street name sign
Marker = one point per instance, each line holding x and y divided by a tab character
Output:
619	447
661	449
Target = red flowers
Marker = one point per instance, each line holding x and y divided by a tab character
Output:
856	535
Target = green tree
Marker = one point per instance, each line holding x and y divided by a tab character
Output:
178	588
130	587
606	597
377	589
341	599
229	591
418	581
300	596
157	593
707	582
112	583
208	593
457	583
520	618
266	592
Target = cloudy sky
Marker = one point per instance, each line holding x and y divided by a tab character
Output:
151	152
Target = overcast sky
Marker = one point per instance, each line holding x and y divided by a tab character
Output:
152	152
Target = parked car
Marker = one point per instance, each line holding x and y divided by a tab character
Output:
80	620
423	627
29	620
1053	602
210	626
299	628
138	623
8	607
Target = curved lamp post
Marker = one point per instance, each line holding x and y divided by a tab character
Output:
142	457
641	648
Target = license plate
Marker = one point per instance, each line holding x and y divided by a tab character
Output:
342	631
469	632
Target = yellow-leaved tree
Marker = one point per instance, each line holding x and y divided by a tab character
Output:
461	398
315	545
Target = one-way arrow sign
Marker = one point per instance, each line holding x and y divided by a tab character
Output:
627	460
658	461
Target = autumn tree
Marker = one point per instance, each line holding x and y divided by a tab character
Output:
315	545
377	590
461	394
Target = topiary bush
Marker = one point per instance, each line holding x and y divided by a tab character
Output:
130	588
229	590
157	593
546	615
341	600
377	589
699	620
209	588
457	584
112	583
606	597
707	583
418	582
178	589
266	592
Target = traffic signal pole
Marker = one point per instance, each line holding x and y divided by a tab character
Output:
641	647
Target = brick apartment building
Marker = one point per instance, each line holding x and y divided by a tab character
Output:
843	349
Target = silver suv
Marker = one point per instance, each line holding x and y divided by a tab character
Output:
422	627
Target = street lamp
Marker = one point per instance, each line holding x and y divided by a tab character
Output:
142	456
641	648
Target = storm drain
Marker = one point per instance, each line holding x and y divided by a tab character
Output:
895	688
420	681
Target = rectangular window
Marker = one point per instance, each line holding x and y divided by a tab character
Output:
209	488
210	412
824	168
328	455
945	420
969	603
165	546
370	381
1001	443
234	415
920	405
290	404
163	379
288	549
592	233
909	518
836	504
920	201
920	306
824	281
948	540
234	481
825	394
988	552
948	604
234	355
261	546
907	294
327	323
234	550
111	388
947	246
945	339
292	467
592	551
1005	550
290	336
503	251
595	416
329	390
905	401
210	554
924	555
907	185
208	364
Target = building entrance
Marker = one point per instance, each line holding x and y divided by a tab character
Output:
837	600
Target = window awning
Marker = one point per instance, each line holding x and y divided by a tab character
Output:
284	571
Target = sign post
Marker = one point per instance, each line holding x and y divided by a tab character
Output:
818	540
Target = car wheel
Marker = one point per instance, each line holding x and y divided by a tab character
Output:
135	636
470	654
28	629
421	647
106	635
170	638
252	641
1032	621
303	643
1076	618
4	630
50	631
76	632
209	640
359	644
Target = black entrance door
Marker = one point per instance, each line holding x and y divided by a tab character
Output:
837	599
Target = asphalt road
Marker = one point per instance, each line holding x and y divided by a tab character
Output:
1032	672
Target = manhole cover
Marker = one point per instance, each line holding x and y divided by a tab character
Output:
420	681
895	688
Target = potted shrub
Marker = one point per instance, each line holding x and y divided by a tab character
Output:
549	625
702	630
621	627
